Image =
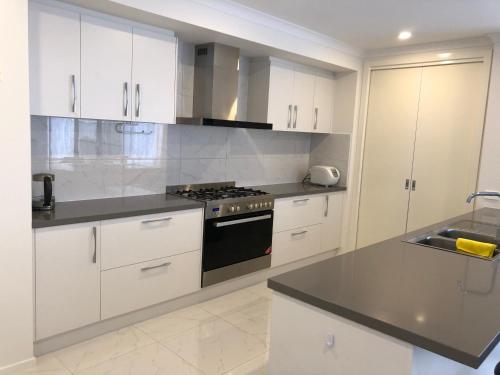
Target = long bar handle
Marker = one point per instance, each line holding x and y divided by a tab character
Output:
327	198
289	122
147	221
315	118
94	236
299	233
295	108
166	264
125	98
300	200
137	100
73	93
241	221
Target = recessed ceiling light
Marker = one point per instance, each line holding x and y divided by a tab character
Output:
444	55
403	35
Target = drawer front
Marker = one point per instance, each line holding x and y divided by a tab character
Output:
297	212
140	239
140	285
295	244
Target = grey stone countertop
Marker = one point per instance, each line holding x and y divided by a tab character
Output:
110	208
297	188
445	302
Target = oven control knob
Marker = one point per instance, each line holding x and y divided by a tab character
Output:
231	209
238	208
266	204
260	204
250	206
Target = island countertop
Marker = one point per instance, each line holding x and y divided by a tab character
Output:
447	303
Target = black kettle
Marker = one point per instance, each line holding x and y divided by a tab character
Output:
43	198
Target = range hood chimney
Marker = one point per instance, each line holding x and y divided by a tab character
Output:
215	91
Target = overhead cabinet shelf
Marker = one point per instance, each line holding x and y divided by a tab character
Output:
94	67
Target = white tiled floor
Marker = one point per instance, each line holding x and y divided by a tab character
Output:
226	335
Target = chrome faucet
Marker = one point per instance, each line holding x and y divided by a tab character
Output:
482	194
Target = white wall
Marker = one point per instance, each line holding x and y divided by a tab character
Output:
16	312
489	170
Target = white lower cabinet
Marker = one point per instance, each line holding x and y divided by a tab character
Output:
297	212
66	278
331	227
140	285
295	244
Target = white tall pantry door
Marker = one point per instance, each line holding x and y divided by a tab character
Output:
449	133
390	135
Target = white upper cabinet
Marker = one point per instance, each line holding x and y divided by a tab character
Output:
153	76
290	96
106	69
54	52
323	103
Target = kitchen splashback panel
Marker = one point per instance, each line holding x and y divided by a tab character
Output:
100	159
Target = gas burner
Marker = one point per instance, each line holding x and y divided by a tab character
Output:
223	199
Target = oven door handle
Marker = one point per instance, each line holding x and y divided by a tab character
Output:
241	221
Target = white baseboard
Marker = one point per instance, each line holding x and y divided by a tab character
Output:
85	333
10	369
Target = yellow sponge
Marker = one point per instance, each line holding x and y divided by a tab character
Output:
475	247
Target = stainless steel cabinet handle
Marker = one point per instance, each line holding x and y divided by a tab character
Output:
166	264
125	98
315	118
289	123
73	93
137	100
240	221
327	198
94	236
300	200
299	233
295	108
407	184
147	221
413	185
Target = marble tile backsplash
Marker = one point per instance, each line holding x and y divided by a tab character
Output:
98	159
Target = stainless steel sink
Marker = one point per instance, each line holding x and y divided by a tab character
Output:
446	238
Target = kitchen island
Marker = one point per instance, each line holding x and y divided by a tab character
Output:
390	308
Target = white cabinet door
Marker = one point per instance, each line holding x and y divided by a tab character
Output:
388	154
448	142
331	227
280	106
67	286
323	103
106	69
153	76
54	49
303	99
295	244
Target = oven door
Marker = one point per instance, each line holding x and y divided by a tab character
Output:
236	245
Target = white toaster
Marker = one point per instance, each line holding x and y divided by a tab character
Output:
324	175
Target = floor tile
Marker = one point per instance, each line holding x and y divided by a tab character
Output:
149	360
215	346
254	318
93	352
261	290
46	365
229	302
256	366
174	323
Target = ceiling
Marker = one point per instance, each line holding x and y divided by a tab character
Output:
371	24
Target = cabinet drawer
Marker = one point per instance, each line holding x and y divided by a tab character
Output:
139	239
140	285
297	212
295	244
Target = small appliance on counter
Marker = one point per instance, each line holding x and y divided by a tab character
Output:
43	199
324	175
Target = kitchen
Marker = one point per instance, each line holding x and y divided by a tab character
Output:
184	158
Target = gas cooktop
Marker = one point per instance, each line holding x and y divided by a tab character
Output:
225	198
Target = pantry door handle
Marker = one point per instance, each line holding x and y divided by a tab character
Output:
166	264
147	221
125	99
407	184
289	123
73	93
94	236
295	108
413	185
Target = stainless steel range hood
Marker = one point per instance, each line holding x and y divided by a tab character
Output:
215	97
